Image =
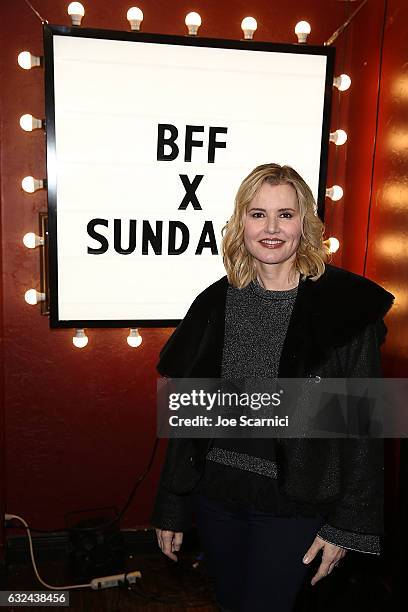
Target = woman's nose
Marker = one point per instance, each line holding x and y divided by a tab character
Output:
272	224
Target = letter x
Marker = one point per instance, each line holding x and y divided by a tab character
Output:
191	189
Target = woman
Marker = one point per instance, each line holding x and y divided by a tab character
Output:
265	508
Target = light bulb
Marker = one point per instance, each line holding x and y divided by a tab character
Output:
32	297
335	193
193	22
76	11
26	60
28	123
342	82
80	340
333	244
302	31
31	240
339	137
248	26
134	339
134	17
31	184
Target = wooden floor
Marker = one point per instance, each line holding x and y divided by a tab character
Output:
185	586
164	586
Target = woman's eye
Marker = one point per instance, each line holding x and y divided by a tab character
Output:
259	215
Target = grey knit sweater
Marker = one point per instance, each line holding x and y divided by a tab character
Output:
244	471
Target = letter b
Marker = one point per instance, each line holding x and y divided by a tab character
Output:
170	141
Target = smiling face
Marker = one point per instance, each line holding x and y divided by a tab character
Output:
272	225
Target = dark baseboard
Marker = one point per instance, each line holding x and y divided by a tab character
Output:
3	580
52	546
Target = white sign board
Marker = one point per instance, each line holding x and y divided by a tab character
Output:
149	138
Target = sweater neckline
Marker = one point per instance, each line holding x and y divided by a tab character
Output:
272	294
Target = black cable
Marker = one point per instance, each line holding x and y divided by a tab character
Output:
376	132
137	590
345	25
188	572
28	3
121	513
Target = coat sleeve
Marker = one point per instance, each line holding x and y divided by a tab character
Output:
178	354
361	506
173	511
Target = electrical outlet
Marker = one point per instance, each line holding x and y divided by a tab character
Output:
107	582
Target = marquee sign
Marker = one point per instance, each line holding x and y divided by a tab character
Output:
148	139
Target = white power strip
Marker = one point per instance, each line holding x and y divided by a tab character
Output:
106	582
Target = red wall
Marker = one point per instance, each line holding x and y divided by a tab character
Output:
80	424
2	412
387	255
387	236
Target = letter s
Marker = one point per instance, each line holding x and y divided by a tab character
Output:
98	237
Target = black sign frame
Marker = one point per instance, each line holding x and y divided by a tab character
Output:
56	30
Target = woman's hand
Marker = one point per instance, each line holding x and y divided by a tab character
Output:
169	541
330	557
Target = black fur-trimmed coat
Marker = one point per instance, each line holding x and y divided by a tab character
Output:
335	331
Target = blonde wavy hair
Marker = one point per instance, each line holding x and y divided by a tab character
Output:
311	254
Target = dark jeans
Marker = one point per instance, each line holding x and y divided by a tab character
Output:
254	557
